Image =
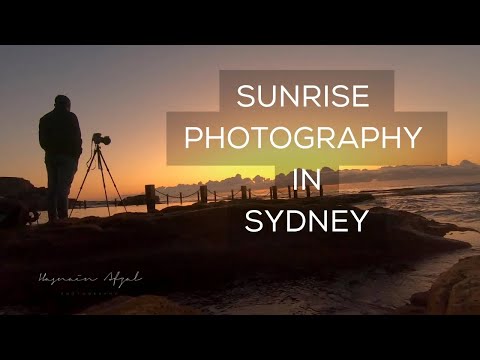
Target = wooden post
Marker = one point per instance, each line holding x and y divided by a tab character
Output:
167	199
289	192
274	192
307	187
181	202
232	194
198	196
150	198
203	194
84	204
295	194
215	196
244	192
321	190
115	202
249	194
271	193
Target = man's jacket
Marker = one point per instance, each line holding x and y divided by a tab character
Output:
59	133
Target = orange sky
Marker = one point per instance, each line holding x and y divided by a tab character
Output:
125	91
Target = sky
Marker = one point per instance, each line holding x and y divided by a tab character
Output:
125	92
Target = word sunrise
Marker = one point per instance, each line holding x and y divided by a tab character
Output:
329	220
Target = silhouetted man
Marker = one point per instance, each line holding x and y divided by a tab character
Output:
61	138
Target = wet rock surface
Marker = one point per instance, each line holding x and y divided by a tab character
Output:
198	247
454	292
141	305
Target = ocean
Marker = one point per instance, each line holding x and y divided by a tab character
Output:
371	290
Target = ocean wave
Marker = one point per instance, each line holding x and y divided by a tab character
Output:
429	190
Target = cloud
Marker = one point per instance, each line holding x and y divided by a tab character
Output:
389	173
329	176
222	186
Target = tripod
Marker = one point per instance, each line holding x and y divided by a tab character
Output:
100	158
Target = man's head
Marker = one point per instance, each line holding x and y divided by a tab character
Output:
63	102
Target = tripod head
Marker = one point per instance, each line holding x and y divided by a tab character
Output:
98	152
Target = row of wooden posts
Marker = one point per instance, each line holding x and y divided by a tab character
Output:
202	194
83	204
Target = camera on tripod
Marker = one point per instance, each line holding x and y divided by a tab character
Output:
98	139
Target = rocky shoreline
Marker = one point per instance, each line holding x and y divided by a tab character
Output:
454	292
197	247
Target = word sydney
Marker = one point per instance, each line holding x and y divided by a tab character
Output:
297	221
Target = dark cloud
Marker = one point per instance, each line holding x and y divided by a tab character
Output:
389	173
329	176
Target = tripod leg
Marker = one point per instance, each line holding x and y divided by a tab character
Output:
115	185
83	182
100	158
